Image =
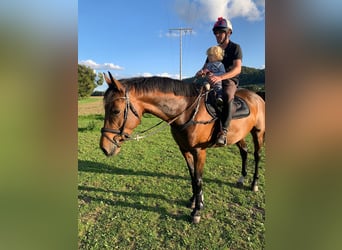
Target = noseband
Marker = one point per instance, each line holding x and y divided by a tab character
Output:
120	132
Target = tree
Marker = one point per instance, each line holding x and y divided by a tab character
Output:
88	80
252	76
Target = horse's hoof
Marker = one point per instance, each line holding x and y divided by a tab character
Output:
196	219
255	188
239	184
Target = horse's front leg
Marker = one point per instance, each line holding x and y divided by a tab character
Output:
190	163
199	156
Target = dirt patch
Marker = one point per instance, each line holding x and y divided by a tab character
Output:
93	107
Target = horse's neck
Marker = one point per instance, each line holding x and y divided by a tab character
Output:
165	106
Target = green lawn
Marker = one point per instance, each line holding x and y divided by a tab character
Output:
90	99
137	200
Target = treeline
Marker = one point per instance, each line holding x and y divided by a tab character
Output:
252	76
253	79
88	80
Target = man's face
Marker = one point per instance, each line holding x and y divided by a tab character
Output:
220	36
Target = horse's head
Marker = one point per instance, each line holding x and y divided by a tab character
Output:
120	117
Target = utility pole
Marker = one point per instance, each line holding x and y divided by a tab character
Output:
181	30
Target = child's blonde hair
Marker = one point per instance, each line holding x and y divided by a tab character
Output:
217	52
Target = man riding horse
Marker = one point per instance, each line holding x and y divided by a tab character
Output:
232	62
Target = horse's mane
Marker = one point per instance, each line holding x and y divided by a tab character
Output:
145	85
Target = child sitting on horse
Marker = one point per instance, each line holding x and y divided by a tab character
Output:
215	66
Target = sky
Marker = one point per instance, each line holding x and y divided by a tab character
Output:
134	38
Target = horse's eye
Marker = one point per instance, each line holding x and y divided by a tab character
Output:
116	112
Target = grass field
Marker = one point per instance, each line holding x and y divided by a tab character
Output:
137	200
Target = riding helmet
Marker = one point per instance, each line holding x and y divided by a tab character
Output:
223	24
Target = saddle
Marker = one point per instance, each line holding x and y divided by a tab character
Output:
241	107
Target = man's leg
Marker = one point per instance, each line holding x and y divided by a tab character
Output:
229	89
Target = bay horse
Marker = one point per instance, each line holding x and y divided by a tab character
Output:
182	106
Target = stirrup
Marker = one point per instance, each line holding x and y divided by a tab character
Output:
219	102
222	138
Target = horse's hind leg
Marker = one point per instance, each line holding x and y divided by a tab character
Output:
243	152
258	139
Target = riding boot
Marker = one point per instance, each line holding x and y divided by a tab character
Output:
226	118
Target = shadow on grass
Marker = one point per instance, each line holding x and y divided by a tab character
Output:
84	129
96	167
136	205
94	194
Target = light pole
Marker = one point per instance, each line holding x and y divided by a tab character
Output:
181	30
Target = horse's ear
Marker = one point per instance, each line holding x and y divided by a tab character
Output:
107	79
112	81
116	83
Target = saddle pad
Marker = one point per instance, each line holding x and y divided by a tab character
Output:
241	107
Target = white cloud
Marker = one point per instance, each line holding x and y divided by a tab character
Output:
145	74
245	8
193	11
165	74
105	66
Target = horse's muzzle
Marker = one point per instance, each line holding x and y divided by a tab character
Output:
108	148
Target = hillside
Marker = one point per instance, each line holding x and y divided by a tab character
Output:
250	76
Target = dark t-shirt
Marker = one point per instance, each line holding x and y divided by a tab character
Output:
231	53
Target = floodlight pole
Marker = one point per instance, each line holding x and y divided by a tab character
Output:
180	47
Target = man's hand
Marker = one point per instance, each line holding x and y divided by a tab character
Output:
213	79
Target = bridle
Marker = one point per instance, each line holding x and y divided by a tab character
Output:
121	131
